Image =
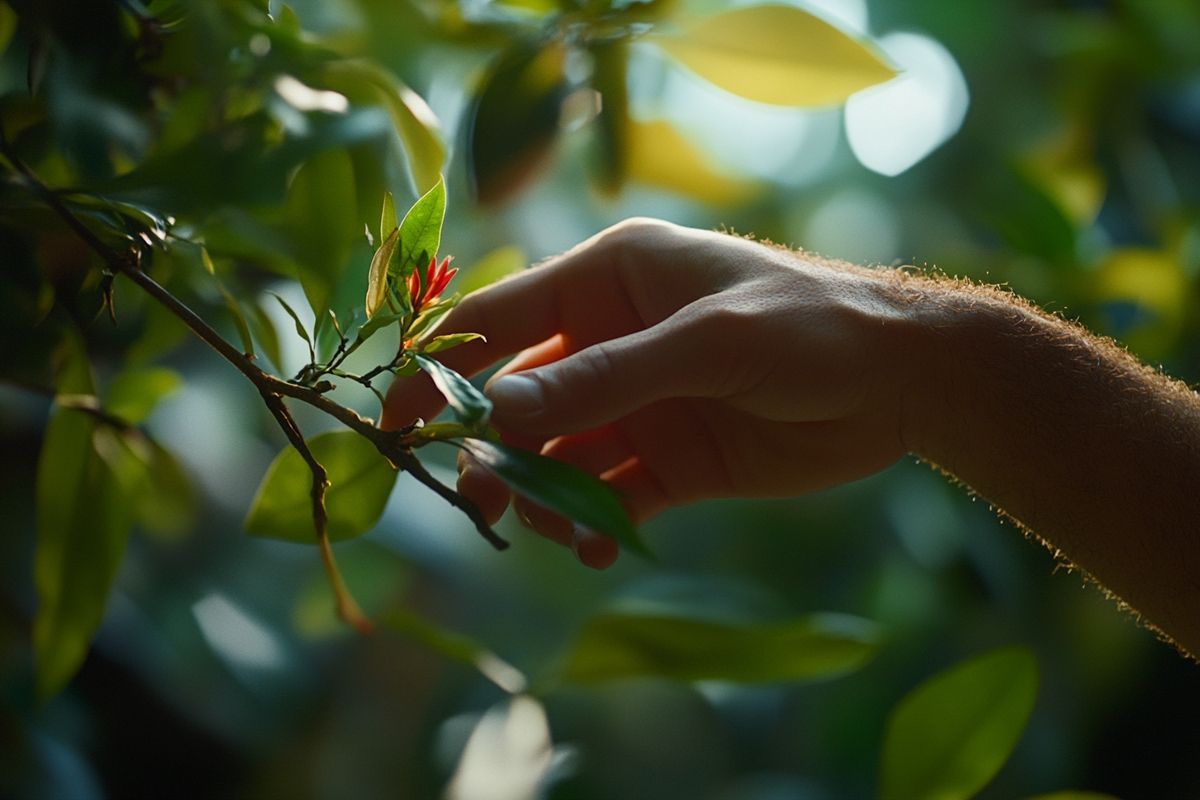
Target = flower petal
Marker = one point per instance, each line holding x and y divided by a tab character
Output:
444	281
414	287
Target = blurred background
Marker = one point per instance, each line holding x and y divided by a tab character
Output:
1051	147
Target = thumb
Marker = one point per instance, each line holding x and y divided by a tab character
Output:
603	382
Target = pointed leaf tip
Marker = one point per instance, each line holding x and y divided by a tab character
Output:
377	276
560	487
472	406
777	54
421	230
387	218
948	737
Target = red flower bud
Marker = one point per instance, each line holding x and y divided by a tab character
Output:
437	278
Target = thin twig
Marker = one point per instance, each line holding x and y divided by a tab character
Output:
391	444
415	468
84	403
88	404
347	608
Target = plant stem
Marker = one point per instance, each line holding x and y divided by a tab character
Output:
347	608
392	444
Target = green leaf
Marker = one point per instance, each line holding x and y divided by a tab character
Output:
470	405
207	261
421	231
412	117
387	217
248	166
323	222
406	368
456	647
83	522
516	119
266	335
376	324
777	54
948	737
613	646
418	128
1023	213
645	11
134	393
440	343
8	25
239	320
377	276
440	431
289	22
167	506
559	487
360	480
301	331
431	315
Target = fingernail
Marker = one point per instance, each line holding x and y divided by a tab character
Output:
516	396
591	548
521	515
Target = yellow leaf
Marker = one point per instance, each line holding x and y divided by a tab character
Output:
415	121
377	277
8	25
1150	278
777	54
1063	167
1153	281
418	128
1078	188
660	156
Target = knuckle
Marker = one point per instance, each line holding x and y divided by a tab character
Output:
634	234
638	226
579	376
595	364
726	321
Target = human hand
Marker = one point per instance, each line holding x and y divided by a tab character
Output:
679	365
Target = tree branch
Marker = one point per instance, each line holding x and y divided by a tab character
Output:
84	403
391	444
404	458
347	608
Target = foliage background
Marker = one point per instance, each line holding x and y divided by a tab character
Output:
1074	179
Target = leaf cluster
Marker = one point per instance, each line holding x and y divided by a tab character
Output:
534	90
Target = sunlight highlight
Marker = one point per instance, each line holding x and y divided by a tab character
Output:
234	636
894	126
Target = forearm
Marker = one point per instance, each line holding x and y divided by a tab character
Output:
1091	451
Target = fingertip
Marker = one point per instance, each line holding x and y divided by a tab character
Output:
516	397
593	549
410	398
489	494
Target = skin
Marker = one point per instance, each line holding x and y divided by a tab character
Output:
680	365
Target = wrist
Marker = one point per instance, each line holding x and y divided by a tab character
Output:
954	358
